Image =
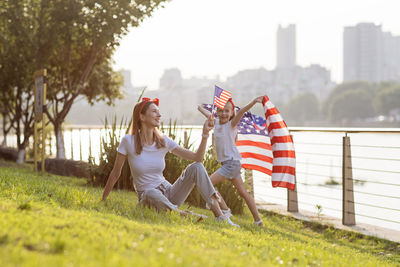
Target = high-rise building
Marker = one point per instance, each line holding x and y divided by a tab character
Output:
286	47
369	54
391	51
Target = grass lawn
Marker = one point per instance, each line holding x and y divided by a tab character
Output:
60	221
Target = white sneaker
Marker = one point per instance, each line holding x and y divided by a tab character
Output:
259	223
227	220
227	212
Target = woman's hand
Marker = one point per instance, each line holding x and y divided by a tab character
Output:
208	124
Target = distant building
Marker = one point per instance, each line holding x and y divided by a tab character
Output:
391	60
286	47
179	97
280	84
171	79
286	80
369	54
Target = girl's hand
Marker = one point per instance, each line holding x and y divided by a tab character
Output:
258	99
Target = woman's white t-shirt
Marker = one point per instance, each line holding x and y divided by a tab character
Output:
147	167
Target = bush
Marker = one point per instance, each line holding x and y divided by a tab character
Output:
66	167
8	153
108	152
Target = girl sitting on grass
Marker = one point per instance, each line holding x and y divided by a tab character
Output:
225	133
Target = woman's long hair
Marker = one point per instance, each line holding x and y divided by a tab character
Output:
136	127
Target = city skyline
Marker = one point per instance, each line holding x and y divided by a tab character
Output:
225	45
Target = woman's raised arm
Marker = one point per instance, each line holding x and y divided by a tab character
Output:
114	175
201	150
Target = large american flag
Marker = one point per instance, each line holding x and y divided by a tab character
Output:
266	145
221	97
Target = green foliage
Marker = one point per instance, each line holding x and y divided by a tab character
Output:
108	153
302	108
68	225
387	98
75	41
350	105
343	88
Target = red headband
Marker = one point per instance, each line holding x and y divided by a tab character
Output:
146	99
230	100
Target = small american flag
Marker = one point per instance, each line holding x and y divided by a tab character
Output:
221	97
266	145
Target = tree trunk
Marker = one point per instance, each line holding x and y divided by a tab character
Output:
21	156
4	142
59	140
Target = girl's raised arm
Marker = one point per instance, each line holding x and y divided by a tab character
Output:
239	115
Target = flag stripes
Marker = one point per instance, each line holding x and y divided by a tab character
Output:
221	97
266	145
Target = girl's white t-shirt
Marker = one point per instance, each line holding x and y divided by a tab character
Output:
225	138
147	167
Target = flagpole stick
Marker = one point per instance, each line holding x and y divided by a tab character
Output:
213	101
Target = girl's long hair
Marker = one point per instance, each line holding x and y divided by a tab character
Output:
136	127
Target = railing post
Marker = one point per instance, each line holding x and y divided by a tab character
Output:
80	145
90	144
249	180
348	214
50	144
292	203
101	147
185	139
72	146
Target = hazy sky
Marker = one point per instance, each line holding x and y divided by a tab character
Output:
221	37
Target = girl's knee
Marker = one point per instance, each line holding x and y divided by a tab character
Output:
243	193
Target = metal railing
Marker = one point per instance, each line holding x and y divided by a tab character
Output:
348	182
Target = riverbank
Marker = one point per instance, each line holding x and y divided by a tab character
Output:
53	220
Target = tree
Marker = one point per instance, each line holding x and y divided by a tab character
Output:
351	105
342	88
17	64
75	41
387	98
89	33
302	108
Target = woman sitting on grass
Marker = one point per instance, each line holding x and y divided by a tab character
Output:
145	148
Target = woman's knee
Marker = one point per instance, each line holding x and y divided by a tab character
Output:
195	170
195	167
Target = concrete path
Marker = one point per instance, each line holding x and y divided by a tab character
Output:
363	228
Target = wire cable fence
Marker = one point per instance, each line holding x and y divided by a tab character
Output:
324	170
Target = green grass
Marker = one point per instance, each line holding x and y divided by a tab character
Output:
59	221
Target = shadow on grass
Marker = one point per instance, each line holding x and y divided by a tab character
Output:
354	240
